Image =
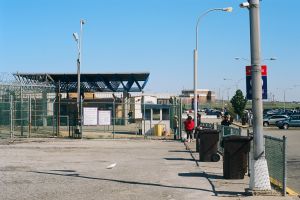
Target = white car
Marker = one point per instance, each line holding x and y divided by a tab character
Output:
271	120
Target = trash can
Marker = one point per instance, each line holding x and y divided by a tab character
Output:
77	134
158	129
208	146
140	131
236	149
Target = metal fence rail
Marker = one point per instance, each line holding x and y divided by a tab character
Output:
276	158
207	125
225	131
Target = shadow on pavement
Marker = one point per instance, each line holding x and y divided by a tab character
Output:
179	151
187	159
77	175
201	174
62	170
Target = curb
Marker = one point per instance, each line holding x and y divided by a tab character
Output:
279	185
240	126
191	152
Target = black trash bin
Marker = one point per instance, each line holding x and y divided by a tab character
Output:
208	145
197	137
236	149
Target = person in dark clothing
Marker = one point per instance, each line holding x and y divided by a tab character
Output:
226	121
175	127
198	119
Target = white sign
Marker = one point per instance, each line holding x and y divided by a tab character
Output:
90	116
104	117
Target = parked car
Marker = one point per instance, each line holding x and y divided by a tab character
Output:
292	121
271	120
214	112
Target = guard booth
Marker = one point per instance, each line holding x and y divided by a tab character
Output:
156	120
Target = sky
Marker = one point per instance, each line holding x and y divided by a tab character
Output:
155	36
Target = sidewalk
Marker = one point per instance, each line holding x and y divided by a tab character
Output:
235	189
144	169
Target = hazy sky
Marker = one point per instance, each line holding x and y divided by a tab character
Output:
156	36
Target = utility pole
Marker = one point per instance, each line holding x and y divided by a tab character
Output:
259	179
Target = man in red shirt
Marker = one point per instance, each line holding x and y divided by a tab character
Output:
189	127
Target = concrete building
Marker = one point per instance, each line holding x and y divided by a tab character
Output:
204	96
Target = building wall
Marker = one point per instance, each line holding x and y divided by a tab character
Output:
204	96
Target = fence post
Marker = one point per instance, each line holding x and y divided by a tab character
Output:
144	117
29	116
114	118
180	120
248	155
11	116
21	110
284	167
81	116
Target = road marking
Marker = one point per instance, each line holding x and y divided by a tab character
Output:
279	184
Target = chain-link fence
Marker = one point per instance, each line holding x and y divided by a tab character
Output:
226	131
207	125
275	151
36	115
26	117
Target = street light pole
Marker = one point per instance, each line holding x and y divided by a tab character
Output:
78	39
284	101
259	179
228	9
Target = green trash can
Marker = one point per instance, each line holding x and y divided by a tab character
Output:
236	149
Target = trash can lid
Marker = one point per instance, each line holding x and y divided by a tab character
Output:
237	138
208	131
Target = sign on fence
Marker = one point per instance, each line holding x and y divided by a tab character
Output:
104	117
90	116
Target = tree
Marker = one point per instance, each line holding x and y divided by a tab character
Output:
238	102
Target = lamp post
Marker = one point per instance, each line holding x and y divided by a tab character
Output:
78	39
228	9
259	179
284	101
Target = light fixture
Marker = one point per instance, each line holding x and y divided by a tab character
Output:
76	37
245	5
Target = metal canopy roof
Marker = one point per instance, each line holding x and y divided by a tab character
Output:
131	82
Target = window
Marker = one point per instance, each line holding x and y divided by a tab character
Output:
156	114
165	114
147	114
295	117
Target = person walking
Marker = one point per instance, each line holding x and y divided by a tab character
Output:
175	127
189	127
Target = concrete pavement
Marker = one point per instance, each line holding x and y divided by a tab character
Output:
145	169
